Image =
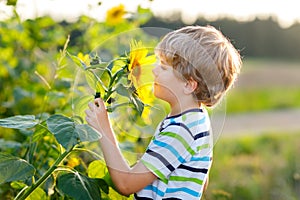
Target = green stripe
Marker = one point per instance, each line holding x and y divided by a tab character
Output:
153	138
180	138
155	171
204	146
186	179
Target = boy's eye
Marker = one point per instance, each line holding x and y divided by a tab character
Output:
163	67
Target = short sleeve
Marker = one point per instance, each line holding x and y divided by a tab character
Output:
167	150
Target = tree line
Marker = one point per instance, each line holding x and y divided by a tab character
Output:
263	38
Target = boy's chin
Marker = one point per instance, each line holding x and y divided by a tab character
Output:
157	94
161	96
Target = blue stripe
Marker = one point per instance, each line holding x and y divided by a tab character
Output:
161	158
170	148
172	120
195	123
205	158
155	190
183	189
181	125
201	135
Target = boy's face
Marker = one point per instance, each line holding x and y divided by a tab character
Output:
167	86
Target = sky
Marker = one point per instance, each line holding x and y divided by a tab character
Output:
286	12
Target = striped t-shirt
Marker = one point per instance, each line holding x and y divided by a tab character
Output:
180	155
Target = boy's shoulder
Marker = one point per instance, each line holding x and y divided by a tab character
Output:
193	121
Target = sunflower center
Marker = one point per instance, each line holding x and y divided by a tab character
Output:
117	13
136	71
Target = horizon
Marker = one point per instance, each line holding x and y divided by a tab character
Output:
284	13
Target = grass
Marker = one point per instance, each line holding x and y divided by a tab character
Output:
256	167
260	99
265	85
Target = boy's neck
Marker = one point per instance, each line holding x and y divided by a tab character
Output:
178	108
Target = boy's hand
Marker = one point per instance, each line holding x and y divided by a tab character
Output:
97	117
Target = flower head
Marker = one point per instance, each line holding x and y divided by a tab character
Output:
140	73
115	15
73	162
138	57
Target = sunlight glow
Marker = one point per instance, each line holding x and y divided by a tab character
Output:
286	12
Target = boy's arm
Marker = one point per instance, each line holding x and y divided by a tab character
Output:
126	179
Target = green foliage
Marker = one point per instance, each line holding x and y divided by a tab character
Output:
256	167
19	122
81	187
67	132
13	168
11	2
47	84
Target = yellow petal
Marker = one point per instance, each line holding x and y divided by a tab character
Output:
145	93
84	58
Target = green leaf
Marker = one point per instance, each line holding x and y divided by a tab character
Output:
109	181
68	133
78	186
40	131
9	144
102	184
14	169
86	133
11	2
80	104
94	82
101	66
138	104
97	169
63	129
118	75
106	77
17	185
19	122
122	90
144	14
39	194
77	61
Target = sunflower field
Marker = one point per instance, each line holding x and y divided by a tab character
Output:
49	72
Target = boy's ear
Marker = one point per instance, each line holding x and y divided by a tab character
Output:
190	86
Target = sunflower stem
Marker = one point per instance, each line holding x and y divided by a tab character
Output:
45	176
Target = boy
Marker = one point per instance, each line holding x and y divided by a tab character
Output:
197	66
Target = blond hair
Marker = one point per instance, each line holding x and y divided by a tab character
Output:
204	55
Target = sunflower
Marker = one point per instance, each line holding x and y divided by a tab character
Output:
115	15
73	162
140	74
138	58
